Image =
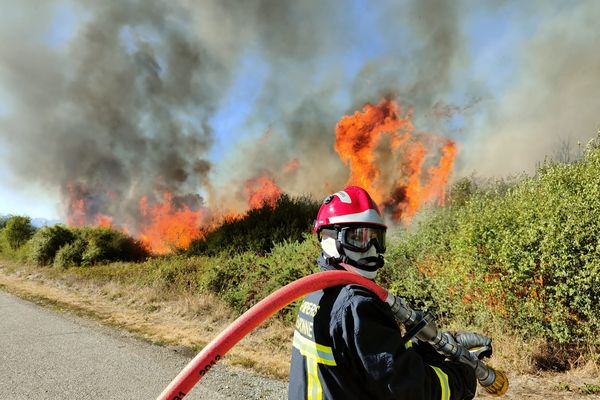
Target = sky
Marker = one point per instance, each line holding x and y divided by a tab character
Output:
496	75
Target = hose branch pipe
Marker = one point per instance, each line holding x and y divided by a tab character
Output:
423	327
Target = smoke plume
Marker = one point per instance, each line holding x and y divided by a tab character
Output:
553	103
124	108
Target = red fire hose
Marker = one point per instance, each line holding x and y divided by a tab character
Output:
215	350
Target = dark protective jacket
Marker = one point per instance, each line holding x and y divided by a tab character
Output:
347	346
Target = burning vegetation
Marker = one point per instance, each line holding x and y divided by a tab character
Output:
167	227
402	169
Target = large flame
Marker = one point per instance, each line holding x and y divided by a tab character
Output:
167	227
357	137
402	170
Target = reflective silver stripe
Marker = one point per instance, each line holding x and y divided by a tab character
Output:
367	216
308	348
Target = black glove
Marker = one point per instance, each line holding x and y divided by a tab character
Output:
478	345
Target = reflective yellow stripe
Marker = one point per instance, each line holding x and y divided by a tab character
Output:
443	382
314	391
408	344
321	354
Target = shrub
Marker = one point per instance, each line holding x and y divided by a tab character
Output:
70	254
260	229
106	245
178	273
17	231
244	279
526	253
47	241
20	254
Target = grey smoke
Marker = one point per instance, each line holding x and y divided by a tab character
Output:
123	110
418	70
554	102
122	113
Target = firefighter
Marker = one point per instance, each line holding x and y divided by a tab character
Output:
346	342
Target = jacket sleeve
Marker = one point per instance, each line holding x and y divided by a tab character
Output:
368	341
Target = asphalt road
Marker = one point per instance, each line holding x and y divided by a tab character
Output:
53	355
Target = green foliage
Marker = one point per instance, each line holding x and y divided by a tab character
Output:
65	247
3	221
20	254
520	256
70	254
47	241
590	388
525	252
460	191
138	274
178	273
260	229
17	231
244	279
107	245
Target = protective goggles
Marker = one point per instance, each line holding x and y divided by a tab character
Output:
361	238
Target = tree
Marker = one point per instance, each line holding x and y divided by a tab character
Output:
17	231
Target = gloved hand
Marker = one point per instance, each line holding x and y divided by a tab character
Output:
478	345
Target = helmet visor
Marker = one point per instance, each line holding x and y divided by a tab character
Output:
361	238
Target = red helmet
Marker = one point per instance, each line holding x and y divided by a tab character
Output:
352	205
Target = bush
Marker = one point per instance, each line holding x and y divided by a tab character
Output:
17	231
244	279
20	254
524	256
178	273
71	254
260	229
106	245
47	241
3	221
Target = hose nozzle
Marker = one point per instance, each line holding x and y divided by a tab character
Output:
499	385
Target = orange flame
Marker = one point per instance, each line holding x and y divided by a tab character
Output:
169	228
260	191
372	140
76	209
79	212
104	221
357	136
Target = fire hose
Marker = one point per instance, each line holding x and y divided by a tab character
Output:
494	382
